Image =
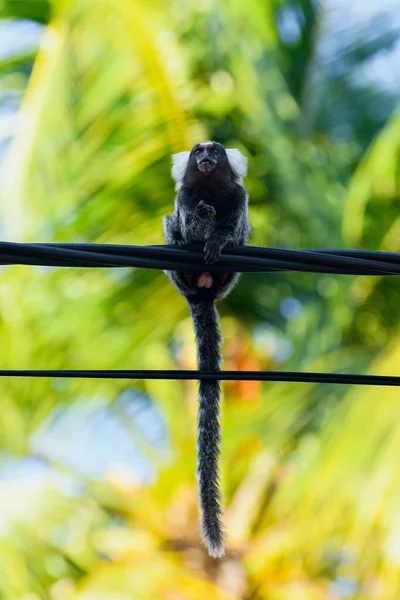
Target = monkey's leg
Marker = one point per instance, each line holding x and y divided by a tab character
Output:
172	232
225	282
184	282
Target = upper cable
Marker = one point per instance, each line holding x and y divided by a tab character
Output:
243	259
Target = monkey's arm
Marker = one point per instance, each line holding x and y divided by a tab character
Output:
233	232
197	223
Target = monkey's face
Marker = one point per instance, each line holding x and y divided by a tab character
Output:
209	160
207	156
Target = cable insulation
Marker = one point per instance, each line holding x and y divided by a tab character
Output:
288	376
246	259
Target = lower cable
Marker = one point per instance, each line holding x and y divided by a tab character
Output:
288	376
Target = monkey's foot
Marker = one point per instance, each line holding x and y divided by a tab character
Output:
205	280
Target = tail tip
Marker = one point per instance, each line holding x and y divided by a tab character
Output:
216	551
215	547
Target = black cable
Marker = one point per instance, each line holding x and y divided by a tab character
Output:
250	259
241	259
290	376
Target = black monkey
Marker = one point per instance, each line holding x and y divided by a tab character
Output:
210	208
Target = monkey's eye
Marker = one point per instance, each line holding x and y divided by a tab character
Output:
198	151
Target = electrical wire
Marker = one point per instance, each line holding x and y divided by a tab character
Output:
244	259
289	376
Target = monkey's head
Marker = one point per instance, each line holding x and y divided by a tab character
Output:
206	156
209	160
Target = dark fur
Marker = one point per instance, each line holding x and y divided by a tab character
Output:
210	208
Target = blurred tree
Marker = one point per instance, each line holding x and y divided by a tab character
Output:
35	10
99	494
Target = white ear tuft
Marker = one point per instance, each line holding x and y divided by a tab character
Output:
179	164
238	163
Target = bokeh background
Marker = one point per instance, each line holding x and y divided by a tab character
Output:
97	478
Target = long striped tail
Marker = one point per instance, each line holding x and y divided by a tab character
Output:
208	338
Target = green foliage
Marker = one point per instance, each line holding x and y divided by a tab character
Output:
36	10
310	472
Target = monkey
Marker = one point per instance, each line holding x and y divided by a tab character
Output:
211	208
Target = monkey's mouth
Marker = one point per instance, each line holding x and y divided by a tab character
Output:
206	165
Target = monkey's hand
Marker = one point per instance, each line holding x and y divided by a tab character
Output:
212	251
205	210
